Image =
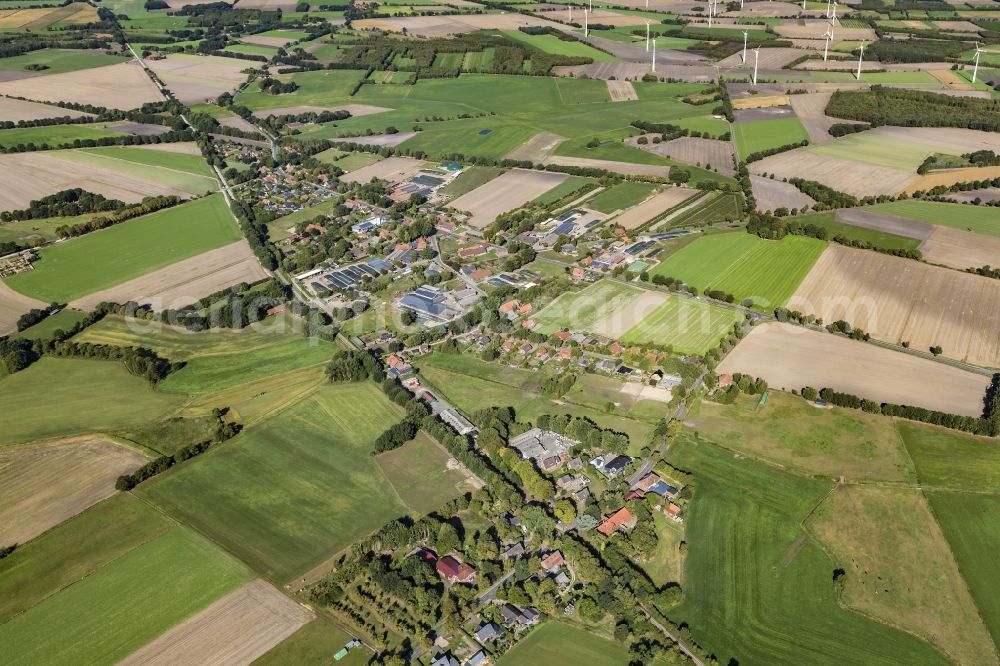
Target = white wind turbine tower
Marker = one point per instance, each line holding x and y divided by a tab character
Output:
654	55
828	8
975	68
570	8
591	5
756	58
586	28
745	46
861	55
647	36
826	47
833	14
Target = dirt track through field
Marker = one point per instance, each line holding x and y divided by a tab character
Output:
504	193
30	176
899	300
653	206
961	249
236	629
12	306
123	86
392	169
43	485
186	281
773	194
790	357
16	110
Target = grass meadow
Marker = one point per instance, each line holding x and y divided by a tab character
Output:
565	188
59	60
105	258
556	46
586	308
690	327
54	135
125	604
64	320
979	219
319	88
313	644
418	471
290	492
621	196
187	173
757	135
878	238
557	644
66	396
947	460
757	589
745	265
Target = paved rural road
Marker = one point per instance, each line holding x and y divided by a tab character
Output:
488	594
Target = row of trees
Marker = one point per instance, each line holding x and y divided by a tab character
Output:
145	207
915	108
65	203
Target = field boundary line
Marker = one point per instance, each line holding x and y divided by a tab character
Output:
151	166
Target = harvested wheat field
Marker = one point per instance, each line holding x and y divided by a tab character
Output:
760	102
269	5
392	169
353	109
30	176
961	249
236	629
855	178
12	306
774	194
890	224
186	281
811	110
654	206
37	19
899	300
790	357
537	148
813	28
622	91
624	168
123	86
506	192
706	153
16	110
948	177
770	58
602	16
236	122
194	79
45	484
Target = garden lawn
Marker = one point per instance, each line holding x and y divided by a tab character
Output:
557	644
745	265
105	258
67	396
621	196
756	588
757	135
125	604
690	327
980	219
290	492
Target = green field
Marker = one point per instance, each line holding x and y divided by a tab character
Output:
791	432
757	135
883	239
55	135
621	196
252	49
690	327
586	309
320	88
470	178
745	265
128	250
969	522
883	151
757	589
419	473
125	604
295	489
42	229
980	219
188	173
59	60
557	644
314	644
66	396
954	461
65	319
565	188
556	46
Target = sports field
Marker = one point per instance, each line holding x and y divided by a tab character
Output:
295	489
979	219
690	327
745	265
757	589
557	644
757	135
621	196
125	604
124	251
66	396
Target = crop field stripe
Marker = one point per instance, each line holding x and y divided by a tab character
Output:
689	326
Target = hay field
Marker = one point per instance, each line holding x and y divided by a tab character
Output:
392	169
443	26
505	193
948	177
654	206
12	306
46	484
194	79
961	249
123	86
16	110
900	568
353	109
615	322
186	281
899	300
30	176
624	168
790	357
772	194
236	629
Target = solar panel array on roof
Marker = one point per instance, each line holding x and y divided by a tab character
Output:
637	248
429	181
655	252
346	278
564	228
379	264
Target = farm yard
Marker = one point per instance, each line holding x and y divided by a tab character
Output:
897	300
789	357
767	272
505	193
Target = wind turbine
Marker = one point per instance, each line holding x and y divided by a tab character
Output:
591	5
647	36
745	46
654	55
586	29
861	54
756	58
829	36
570	8
828	8
975	68
833	15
